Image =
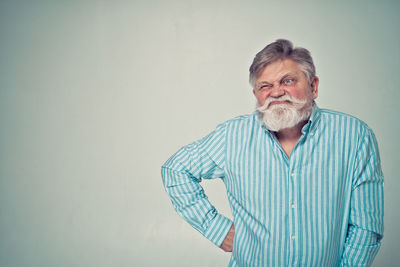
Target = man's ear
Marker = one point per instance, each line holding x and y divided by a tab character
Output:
314	87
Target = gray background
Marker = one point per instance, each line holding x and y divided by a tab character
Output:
96	95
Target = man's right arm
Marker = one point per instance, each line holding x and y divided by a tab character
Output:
182	174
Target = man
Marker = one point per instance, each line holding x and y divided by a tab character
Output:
304	184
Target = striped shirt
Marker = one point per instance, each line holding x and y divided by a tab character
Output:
322	206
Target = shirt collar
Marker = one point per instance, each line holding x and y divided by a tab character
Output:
313	121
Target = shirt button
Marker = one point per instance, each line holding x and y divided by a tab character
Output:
292	174
293	237
293	206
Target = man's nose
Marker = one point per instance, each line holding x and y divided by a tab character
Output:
277	91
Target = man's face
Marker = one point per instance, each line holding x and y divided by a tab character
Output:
284	77
284	95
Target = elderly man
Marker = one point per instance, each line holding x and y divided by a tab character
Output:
304	184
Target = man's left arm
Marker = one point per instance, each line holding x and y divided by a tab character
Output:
365	229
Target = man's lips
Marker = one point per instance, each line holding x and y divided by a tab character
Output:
279	102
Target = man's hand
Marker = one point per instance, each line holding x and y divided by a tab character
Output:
227	245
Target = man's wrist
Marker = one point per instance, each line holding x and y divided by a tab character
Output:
218	229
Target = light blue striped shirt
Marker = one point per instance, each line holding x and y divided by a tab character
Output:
322	206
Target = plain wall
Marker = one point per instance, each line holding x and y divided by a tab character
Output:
96	95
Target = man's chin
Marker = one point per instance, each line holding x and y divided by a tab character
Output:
278	109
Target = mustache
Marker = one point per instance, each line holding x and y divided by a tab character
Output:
285	98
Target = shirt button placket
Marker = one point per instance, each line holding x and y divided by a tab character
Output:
293	212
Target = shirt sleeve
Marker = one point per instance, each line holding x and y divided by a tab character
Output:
365	229
182	174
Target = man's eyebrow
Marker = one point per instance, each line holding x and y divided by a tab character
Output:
288	75
264	82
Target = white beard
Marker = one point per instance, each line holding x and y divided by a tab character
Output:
283	116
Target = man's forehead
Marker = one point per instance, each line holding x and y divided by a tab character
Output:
278	69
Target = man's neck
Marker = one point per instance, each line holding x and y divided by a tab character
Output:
293	133
288	137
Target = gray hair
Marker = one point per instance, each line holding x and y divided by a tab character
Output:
279	50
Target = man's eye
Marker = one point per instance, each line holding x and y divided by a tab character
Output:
264	87
288	81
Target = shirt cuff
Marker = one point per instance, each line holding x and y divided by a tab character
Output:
218	229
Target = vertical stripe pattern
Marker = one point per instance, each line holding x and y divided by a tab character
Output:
322	206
